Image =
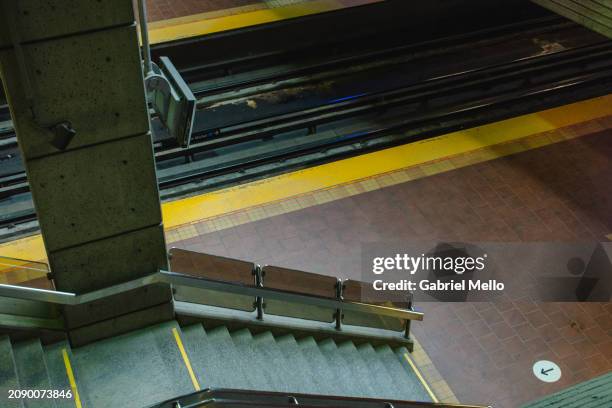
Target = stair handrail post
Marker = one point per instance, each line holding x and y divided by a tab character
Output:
408	321
259	282
339	296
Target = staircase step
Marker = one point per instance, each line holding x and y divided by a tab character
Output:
358	368
348	383
8	373
32	371
56	369
214	358
300	365
282	368
380	379
405	380
258	372
105	371
331	384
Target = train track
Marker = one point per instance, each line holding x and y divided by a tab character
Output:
279	114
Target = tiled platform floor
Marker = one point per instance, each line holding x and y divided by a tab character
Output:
166	9
484	351
159	10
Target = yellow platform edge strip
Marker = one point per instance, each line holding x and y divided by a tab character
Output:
215	203
179	344
71	380
191	209
165	31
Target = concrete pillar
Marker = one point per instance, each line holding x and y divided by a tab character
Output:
73	77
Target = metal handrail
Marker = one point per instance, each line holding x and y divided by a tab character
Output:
71	299
212	397
306	299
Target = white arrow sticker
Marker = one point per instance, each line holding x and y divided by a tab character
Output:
547	371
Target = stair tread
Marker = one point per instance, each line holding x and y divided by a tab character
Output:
8	372
358	368
32	371
348	384
56	369
405	380
320	366
305	375
105	370
260	379
214	358
280	367
380	378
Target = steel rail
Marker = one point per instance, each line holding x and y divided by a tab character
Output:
356	137
70	299
410	51
222	397
474	79
348	139
16	183
433	47
434	87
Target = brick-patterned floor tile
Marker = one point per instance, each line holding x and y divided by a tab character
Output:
165	9
586	348
490	343
597	364
572	333
548	332
514	317
537	318
478	328
562	348
526	331
491	316
502	330
596	335
606	349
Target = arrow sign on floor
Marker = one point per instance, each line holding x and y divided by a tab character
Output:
547	371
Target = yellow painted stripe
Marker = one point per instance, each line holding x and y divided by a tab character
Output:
421	379
179	343
70	374
192	209
166	32
297	183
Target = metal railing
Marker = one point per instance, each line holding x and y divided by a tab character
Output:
41	308
261	399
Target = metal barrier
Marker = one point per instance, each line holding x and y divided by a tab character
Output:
23	307
262	399
334	296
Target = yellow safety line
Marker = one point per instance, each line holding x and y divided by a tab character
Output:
216	203
75	391
165	32
421	379
179	343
